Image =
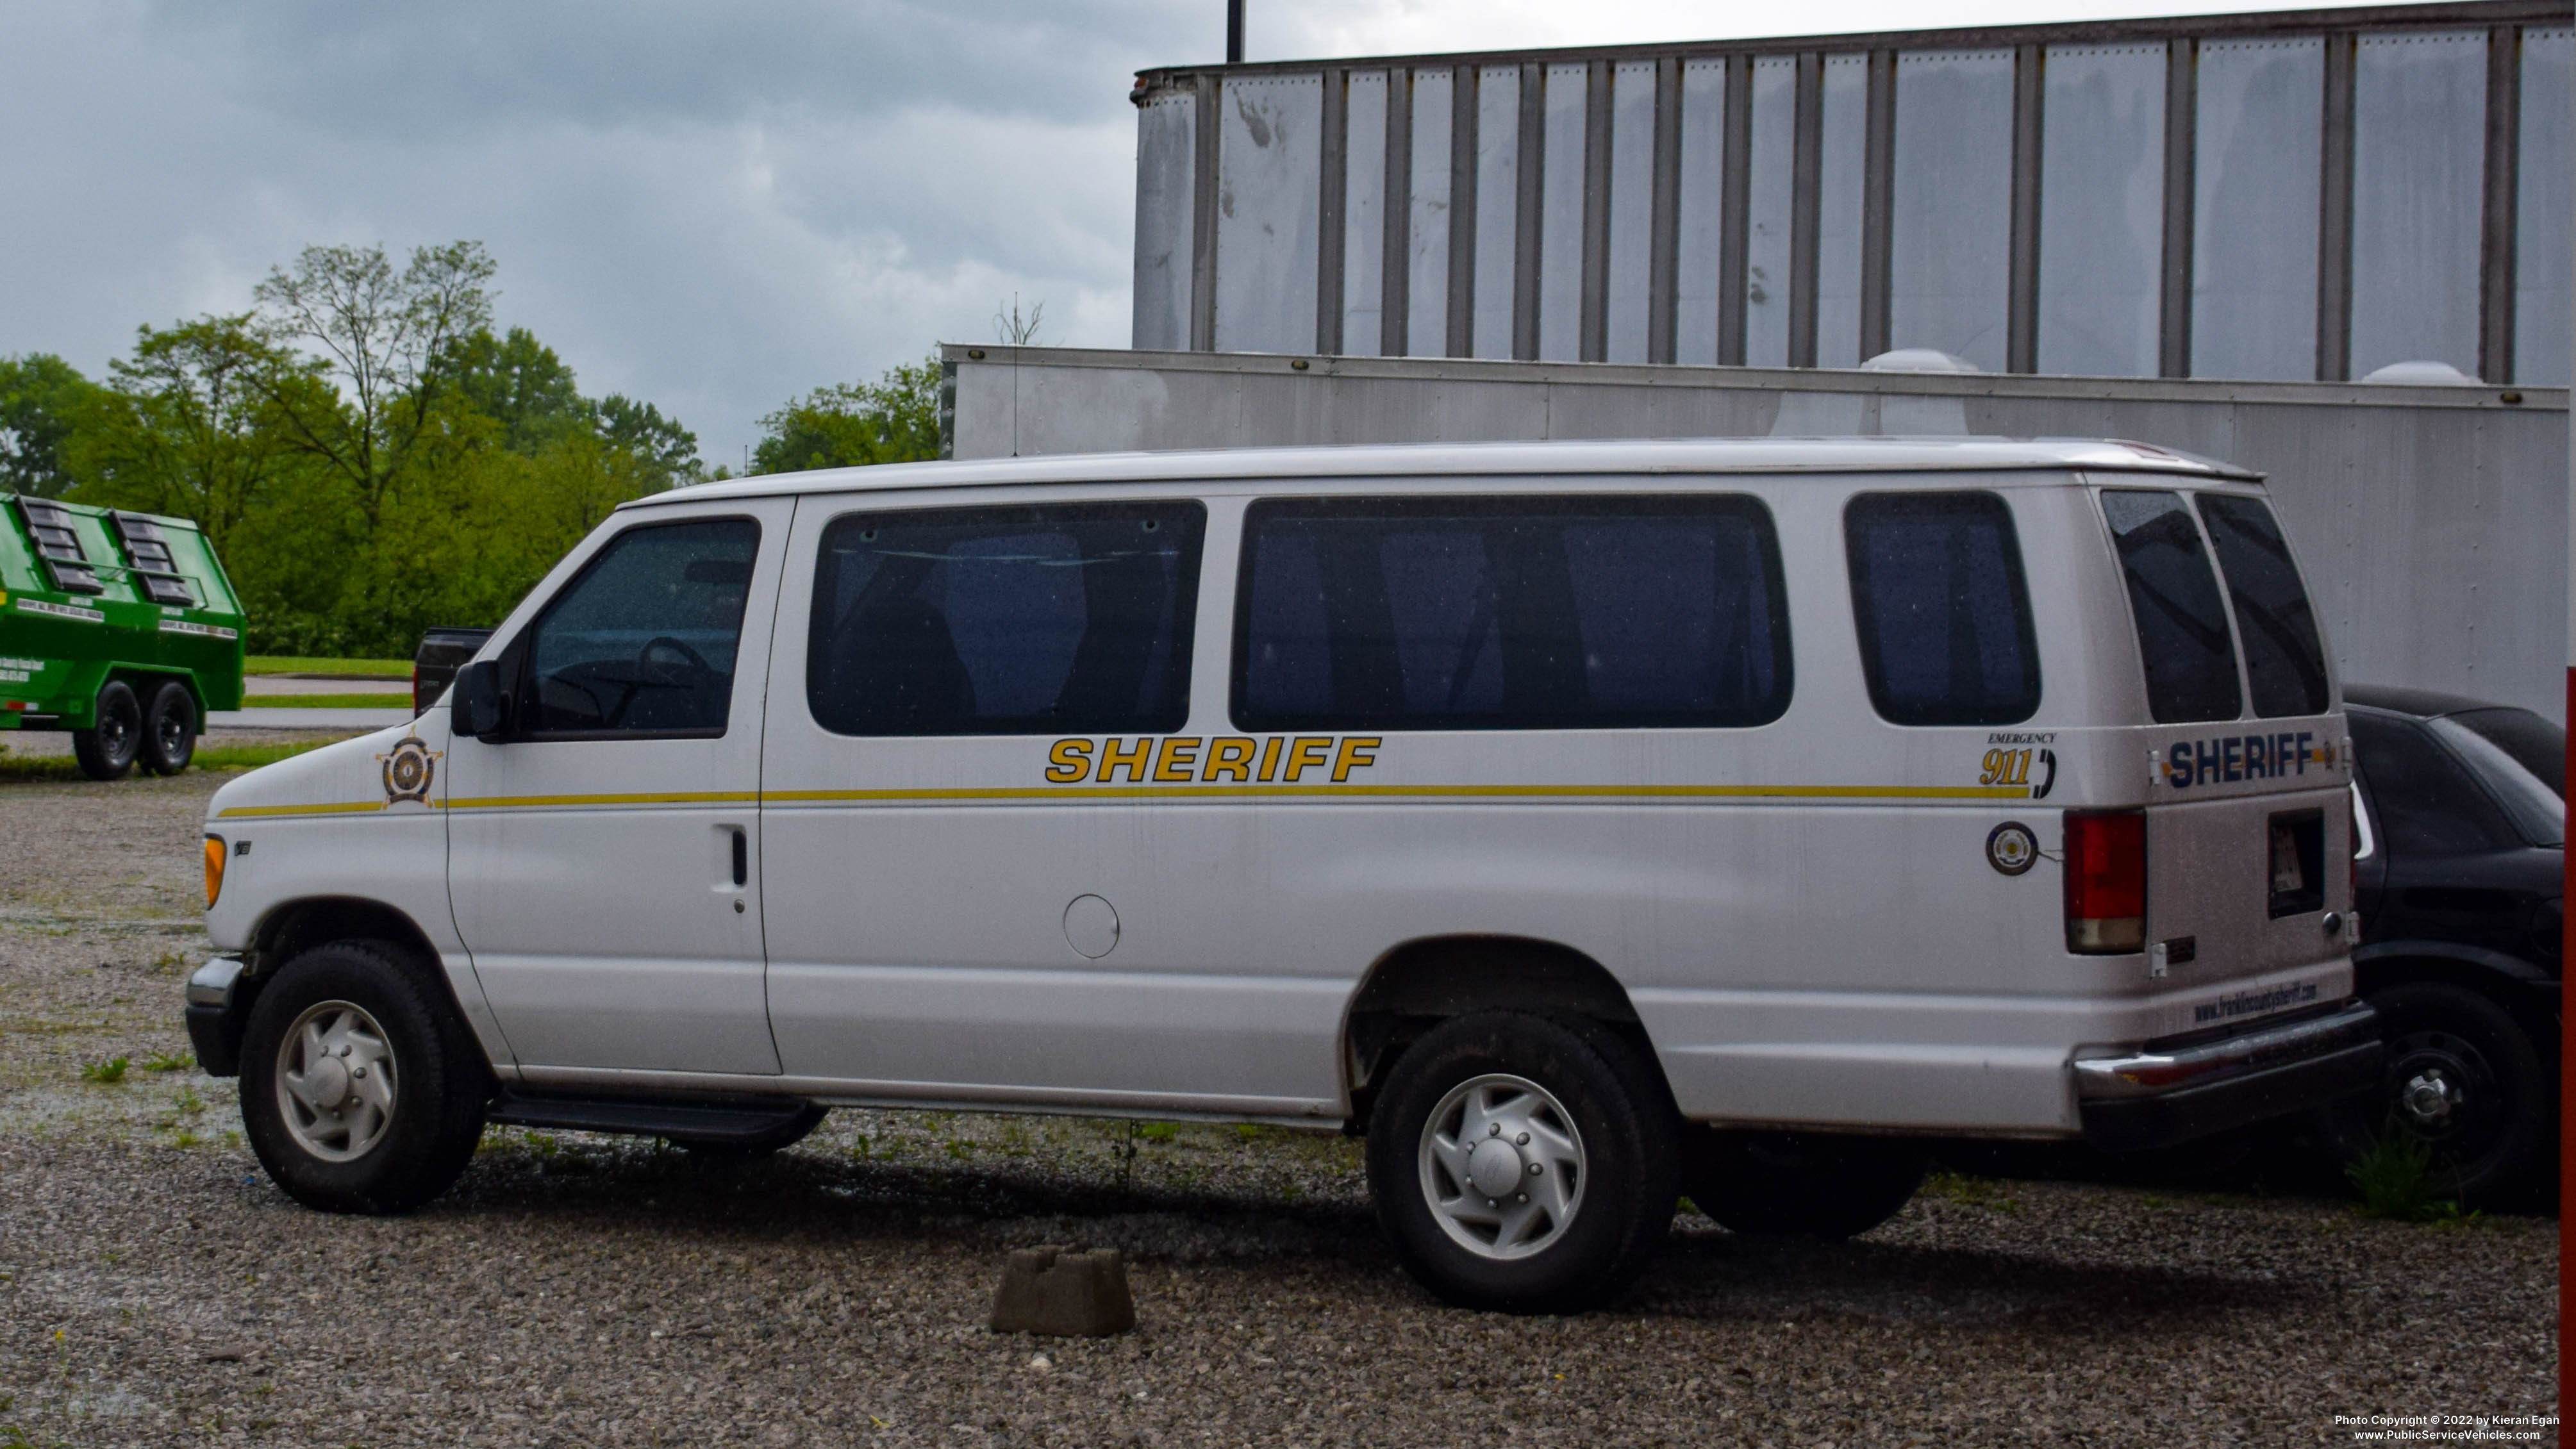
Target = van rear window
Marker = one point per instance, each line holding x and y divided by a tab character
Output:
1943	611
1510	613
1024	620
2285	661
2173	597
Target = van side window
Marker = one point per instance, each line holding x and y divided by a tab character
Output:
1445	613
2285	661
2182	627
999	621
643	642
1943	611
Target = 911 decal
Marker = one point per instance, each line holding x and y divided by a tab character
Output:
2008	766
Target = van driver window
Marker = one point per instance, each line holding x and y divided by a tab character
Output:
998	621
644	641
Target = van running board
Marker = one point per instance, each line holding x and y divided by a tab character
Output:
739	1119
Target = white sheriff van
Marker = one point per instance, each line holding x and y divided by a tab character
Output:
1585	823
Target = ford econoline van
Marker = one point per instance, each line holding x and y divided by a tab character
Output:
1584	824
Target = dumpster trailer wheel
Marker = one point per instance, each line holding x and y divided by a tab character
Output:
169	729
107	748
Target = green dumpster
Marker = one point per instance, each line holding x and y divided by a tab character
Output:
120	627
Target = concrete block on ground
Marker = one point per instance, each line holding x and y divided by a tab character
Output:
1058	1291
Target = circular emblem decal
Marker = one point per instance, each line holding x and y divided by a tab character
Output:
2011	848
409	770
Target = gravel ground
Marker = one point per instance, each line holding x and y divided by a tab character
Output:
579	1290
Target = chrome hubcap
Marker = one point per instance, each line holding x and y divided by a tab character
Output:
336	1081
1502	1166
2429	1099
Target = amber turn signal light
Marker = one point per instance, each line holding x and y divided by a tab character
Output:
214	869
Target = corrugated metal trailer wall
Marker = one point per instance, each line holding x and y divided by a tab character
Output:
2294	195
2433	518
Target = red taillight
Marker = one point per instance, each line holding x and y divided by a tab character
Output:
2106	883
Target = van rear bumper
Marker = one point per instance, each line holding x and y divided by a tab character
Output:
2159	1098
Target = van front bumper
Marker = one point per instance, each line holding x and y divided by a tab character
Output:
214	1025
2159	1098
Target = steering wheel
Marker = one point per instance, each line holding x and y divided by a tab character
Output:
651	673
694	660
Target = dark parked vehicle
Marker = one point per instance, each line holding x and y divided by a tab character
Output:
442	653
2462	819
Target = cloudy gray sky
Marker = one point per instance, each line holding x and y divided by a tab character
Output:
713	207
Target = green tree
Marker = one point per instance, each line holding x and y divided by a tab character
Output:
189	425
666	452
366	453
892	420
40	395
388	338
520	383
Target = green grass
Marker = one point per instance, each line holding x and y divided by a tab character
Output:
326	701
107	1073
285	664
1977	1192
43	769
2400	1182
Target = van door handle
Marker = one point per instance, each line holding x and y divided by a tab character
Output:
741	858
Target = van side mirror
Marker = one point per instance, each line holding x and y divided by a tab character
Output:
475	705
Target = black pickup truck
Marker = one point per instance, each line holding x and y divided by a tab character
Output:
442	652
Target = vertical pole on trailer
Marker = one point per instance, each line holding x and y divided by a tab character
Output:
1234	32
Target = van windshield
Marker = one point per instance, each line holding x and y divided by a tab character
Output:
2182	626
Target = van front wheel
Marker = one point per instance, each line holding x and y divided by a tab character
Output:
360	1092
107	748
1522	1163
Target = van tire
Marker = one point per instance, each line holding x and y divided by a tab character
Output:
2493	1155
1799	1184
106	750
362	992
1624	1143
169	729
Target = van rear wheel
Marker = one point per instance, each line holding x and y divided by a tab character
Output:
360	1092
1798	1184
1522	1163
169	729
107	748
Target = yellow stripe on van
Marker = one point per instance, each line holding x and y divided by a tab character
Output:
1007	794
565	802
1403	792
252	811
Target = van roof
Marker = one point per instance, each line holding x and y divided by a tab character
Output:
1377	460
